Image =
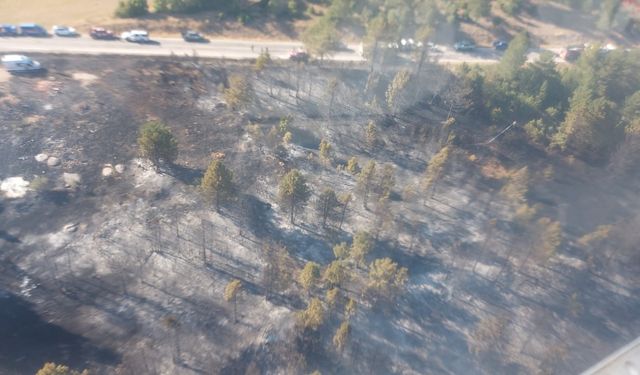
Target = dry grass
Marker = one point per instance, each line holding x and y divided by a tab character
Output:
82	14
51	12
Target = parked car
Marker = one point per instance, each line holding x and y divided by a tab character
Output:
194	37
572	53
464	46
32	29
500	45
136	36
8	30
101	33
20	64
299	55
65	31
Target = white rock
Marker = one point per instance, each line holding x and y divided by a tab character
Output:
41	158
107	171
119	168
71	180
14	187
53	161
71	227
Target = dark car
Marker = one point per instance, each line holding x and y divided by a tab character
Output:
8	30
500	45
464	46
194	37
298	55
32	29
572	53
101	33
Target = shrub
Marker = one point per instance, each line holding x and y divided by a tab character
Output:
132	8
157	143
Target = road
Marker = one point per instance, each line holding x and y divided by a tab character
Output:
217	48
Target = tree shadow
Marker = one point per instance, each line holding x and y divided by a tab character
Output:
28	341
187	175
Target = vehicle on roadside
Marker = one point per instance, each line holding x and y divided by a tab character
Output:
20	64
500	45
102	33
8	30
572	53
32	29
299	55
464	46
136	36
194	37
430	46
64	31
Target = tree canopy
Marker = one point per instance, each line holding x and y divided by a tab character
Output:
157	143
293	192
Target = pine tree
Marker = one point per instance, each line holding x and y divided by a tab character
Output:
361	246
386	278
344	199
325	151
341	251
51	368
231	294
341	336
157	143
365	182
335	274
371	135
239	93
313	316
309	275
435	169
293	192
217	183
327	205
352	165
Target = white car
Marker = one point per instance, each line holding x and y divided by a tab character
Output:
64	31
136	36
20	63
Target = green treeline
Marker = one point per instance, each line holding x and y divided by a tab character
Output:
588	109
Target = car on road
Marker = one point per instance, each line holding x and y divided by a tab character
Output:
102	33
500	45
136	36
65	31
299	55
194	37
8	30
464	46
20	64
32	29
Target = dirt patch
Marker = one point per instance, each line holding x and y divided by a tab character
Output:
84	78
4	75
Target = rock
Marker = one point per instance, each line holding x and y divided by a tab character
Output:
119	168
71	180
70	228
53	161
107	171
41	158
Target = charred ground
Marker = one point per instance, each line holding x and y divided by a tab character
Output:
125	263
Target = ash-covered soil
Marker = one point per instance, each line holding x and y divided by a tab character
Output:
111	264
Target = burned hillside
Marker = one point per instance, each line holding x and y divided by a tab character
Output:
419	235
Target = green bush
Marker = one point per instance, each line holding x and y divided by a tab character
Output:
157	143
132	8
511	7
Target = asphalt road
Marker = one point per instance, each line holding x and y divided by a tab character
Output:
216	48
